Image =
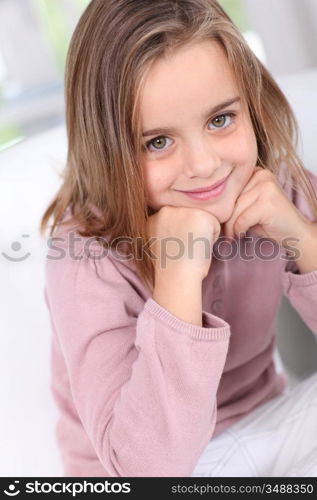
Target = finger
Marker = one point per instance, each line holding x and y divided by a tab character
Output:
250	217
243	202
258	175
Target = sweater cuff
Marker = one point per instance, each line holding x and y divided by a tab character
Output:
214	328
299	280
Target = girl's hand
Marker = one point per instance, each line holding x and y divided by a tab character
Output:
176	251
264	207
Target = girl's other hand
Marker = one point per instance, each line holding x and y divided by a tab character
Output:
264	207
175	231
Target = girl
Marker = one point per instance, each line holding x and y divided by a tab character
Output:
163	301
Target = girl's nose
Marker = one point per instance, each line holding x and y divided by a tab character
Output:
201	160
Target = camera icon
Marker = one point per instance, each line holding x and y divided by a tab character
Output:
13	492
16	246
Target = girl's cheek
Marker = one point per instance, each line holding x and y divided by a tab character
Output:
245	140
252	145
245	145
155	180
161	175
149	174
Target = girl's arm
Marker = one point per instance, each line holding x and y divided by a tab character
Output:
143	381
181	296
178	281
300	277
307	251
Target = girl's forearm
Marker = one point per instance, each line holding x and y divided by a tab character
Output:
181	295
307	250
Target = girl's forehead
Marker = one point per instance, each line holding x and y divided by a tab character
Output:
201	64
197	75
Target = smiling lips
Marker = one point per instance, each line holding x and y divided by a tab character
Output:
208	192
207	188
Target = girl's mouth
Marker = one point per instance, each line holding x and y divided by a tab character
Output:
208	195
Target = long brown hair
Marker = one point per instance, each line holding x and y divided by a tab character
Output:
111	51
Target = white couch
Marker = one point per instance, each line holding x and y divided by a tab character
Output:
28	180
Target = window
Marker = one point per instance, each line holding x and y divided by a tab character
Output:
32	64
238	13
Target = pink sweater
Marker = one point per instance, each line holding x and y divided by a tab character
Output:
141	392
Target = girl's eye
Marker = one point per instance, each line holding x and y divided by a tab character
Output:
158	143
221	119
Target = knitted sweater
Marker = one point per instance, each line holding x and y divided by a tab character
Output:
141	392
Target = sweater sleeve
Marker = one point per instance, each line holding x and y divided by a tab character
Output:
301	289
143	381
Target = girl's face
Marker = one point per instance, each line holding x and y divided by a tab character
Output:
194	145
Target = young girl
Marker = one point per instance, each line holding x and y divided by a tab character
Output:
163	301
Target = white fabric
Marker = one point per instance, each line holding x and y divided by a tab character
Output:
277	439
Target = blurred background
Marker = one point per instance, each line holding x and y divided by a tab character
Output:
34	36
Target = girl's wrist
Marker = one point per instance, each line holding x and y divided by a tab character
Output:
306	247
180	275
181	296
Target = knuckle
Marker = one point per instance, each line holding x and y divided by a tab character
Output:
265	174
269	187
240	221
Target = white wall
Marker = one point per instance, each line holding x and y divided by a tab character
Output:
288	29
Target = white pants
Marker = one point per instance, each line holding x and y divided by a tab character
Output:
277	439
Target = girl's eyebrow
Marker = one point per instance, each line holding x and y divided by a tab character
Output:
215	109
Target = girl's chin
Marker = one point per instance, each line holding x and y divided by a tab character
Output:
222	213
